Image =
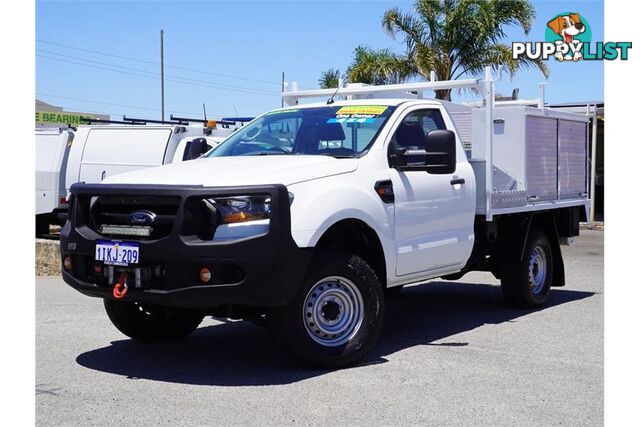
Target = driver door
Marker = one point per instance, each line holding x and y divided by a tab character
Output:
434	213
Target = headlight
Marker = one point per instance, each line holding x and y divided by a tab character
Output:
242	208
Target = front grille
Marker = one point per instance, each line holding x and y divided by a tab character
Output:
115	210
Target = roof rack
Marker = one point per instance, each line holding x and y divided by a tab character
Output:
89	120
222	122
161	122
179	121
292	97
485	87
238	119
415	88
128	121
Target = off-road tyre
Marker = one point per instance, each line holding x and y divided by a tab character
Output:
151	323
526	282
338	287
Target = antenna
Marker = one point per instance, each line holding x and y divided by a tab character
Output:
162	74
340	85
204	110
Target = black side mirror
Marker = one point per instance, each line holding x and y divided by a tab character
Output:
438	156
195	149
440	146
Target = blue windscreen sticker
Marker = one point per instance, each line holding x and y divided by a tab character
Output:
351	120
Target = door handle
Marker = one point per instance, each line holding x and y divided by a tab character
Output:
457	181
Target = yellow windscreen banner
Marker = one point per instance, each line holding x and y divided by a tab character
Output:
362	109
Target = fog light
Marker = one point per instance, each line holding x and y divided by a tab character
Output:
205	275
67	263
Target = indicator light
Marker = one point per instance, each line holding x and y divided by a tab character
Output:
205	275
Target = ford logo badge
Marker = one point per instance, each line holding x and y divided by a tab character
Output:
141	218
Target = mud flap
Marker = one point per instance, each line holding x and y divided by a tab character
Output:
547	224
558	262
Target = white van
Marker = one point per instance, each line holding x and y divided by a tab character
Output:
52	152
102	151
92	153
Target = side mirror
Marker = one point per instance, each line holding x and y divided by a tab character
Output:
440	147
438	156
195	149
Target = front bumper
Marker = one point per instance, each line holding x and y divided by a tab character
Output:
262	271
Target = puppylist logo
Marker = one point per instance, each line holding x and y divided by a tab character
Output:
568	38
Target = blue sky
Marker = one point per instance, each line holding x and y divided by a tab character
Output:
230	55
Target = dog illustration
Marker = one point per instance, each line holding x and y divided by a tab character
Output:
567	27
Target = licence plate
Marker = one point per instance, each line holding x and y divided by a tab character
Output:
117	253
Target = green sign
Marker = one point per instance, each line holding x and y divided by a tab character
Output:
63	117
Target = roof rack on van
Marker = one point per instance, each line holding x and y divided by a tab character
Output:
205	121
89	121
238	119
161	122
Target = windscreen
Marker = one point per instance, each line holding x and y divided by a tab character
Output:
340	131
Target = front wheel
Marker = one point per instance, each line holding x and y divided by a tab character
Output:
338	312
151	323
526	282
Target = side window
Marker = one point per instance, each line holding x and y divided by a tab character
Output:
412	131
415	126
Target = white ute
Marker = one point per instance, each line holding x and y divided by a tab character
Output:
310	215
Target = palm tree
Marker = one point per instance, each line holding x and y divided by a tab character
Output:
456	38
379	67
329	78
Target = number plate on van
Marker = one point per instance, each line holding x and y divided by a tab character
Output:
117	253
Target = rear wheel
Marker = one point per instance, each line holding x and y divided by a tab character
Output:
338	312
151	323
526	282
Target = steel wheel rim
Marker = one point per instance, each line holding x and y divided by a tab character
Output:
333	311
537	270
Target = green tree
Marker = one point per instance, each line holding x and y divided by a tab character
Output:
379	67
460	37
329	78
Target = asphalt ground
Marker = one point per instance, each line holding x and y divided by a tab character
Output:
450	353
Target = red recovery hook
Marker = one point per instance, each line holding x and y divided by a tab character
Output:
120	288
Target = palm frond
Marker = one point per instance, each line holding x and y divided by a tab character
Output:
379	67
329	78
458	37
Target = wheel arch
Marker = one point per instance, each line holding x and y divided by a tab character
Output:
519	228
355	236
547	223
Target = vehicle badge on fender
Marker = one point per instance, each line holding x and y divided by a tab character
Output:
141	218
